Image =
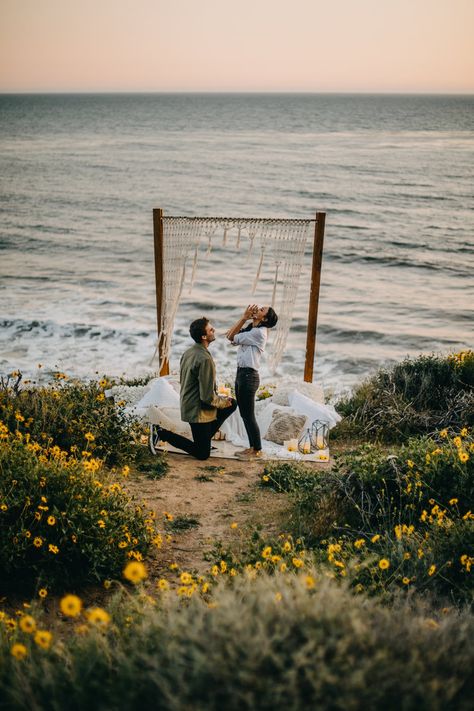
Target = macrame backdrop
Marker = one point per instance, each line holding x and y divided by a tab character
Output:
278	243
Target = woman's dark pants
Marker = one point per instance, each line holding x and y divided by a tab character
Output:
246	386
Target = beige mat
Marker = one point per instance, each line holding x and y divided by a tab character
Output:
225	450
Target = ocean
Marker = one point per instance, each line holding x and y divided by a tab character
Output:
81	174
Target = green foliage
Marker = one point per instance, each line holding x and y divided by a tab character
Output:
412	508
63	412
258	553
284	476
414	397
62	522
269	643
178	524
155	467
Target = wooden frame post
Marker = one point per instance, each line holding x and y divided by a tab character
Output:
158	244
314	296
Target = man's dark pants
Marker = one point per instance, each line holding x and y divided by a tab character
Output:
203	432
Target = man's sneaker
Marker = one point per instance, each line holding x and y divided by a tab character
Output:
250	456
241	452
155	436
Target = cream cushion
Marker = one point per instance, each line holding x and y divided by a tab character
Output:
285	425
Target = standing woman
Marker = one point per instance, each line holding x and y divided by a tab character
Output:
251	341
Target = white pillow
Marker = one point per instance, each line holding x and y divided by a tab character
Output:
169	418
161	393
313	411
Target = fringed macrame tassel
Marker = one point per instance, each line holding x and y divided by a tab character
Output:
251	240
275	282
257	275
193	273
224	241
238	238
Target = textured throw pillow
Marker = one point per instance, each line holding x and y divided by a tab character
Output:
284	426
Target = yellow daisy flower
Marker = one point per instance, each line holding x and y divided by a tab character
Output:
135	572
43	639
71	605
19	651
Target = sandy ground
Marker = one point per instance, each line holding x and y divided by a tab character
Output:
216	493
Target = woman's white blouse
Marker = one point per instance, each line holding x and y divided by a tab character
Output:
251	346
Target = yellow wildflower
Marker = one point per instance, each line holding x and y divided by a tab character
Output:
375	538
71	605
359	543
89	436
19	651
98	616
51	521
266	553
53	549
406	581
186	578
233	524
309	582
431	570
134	572
28	624
42	592
297	562
37	541
464	432
452	502
163	584
43	639
384	564
463	457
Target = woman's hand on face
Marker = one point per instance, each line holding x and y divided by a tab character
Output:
250	311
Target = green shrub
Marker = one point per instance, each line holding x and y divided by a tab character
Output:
62	522
413	509
269	643
414	397
64	412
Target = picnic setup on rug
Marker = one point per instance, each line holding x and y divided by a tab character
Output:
291	414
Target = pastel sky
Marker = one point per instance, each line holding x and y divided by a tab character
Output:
239	45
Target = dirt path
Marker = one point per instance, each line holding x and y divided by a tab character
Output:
212	494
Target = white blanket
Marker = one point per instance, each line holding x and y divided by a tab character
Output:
158	402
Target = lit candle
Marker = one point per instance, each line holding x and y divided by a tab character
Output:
306	448
292	445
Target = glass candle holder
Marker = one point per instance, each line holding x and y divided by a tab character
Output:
304	443
320	435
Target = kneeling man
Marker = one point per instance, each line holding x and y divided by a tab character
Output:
200	405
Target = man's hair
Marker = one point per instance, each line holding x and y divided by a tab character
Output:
270	319
198	329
